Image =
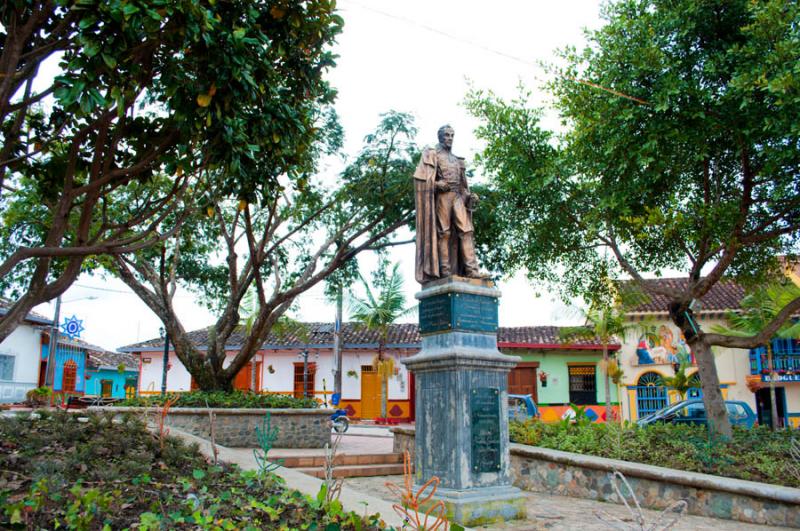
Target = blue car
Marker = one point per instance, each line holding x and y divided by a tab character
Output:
694	412
522	408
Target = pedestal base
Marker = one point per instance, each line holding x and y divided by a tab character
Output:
462	403
484	505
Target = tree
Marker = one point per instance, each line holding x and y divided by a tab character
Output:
153	103
302	233
378	314
604	323
758	310
679	153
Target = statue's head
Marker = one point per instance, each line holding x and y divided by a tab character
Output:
446	134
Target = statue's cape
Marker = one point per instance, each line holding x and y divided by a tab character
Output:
427	258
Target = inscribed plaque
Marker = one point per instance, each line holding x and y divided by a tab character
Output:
485	414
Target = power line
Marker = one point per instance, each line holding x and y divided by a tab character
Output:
445	34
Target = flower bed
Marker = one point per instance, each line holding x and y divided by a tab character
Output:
59	471
757	454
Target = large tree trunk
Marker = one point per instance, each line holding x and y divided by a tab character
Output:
716	412
773	406
607	383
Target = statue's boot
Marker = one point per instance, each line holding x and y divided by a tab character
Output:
444	254
470	261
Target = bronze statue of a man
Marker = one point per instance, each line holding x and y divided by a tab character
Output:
444	207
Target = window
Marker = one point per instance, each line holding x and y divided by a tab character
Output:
6	367
70	376
736	411
582	385
298	380
650	394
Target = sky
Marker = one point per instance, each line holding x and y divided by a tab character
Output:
410	56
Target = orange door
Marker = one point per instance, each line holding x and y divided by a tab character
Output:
370	393
243	378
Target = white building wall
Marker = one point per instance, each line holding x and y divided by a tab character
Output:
277	372
24	344
178	378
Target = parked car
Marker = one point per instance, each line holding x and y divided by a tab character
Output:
522	408
694	412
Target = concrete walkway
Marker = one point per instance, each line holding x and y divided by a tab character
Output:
352	500
546	511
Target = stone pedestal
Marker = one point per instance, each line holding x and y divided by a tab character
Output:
462	402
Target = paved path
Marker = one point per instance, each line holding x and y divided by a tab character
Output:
546	511
351	444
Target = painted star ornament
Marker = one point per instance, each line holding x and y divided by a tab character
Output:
72	327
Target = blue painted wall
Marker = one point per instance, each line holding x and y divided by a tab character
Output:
64	353
94	386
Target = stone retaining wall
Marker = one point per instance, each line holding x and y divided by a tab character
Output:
583	476
236	428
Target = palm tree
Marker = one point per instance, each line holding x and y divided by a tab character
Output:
757	310
378	314
681	382
603	323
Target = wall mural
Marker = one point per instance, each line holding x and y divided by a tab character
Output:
661	346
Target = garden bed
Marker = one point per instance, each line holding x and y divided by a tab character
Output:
59	470
757	454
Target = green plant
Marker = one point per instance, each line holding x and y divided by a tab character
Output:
222	399
681	382
39	396
266	435
352	374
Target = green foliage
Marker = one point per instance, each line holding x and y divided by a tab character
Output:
266	434
379	311
59	473
759	308
39	395
681	382
757	454
146	94
221	399
678	149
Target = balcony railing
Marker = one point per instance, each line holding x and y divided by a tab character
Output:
785	358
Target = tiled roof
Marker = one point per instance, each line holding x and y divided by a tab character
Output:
354	335
545	336
107	358
32	317
724	295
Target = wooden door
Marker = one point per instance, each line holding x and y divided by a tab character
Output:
298	380
243	377
522	381
106	388
370	393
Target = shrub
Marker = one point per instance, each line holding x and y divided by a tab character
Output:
757	454
39	396
57	472
221	399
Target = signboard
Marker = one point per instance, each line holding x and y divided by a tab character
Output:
72	327
458	311
782	378
485	415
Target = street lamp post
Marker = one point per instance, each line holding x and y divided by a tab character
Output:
165	337
50	368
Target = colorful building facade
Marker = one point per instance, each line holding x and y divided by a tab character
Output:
554	373
19	356
112	375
